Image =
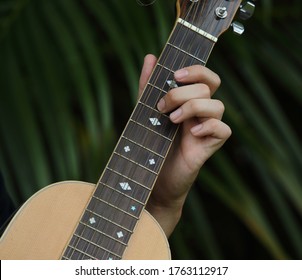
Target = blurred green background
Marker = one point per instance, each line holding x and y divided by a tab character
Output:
69	74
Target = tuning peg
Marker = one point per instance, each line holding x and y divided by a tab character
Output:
238	28
247	10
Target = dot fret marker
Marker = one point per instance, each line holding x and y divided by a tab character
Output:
127	149
92	220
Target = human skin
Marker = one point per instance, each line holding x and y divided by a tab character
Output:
202	132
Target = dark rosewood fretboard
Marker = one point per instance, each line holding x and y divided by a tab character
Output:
126	183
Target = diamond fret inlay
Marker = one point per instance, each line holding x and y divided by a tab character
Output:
125	186
155	121
172	84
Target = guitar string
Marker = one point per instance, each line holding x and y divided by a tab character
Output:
156	79
118	143
198	36
88	244
159	73
183	62
184	57
131	175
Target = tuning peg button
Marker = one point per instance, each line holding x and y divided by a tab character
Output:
238	28
247	10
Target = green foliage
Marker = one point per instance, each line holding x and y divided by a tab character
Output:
68	78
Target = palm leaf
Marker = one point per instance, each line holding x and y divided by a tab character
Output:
65	66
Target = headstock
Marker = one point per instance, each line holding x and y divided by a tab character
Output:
214	16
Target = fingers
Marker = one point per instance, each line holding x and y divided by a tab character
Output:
192	99
198	83
214	128
198	74
178	96
149	63
199	108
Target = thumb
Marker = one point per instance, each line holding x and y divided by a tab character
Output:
149	63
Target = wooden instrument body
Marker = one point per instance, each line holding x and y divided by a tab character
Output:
42	228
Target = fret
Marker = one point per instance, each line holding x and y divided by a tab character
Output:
151	162
98	222
149	139
72	253
112	214
113	179
115	203
101	253
93	249
97	238
153	120
109	232
106	229
139	154
104	233
134	200
131	170
127	181
161	156
119	200
195	60
152	95
78	249
165	67
81	248
163	92
160	77
174	59
191	42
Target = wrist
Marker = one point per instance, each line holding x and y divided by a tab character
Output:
166	214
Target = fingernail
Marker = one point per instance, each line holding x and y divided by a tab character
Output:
180	74
161	105
176	114
196	129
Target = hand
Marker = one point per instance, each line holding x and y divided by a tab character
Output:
201	134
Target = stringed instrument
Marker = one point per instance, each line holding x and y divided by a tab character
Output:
108	221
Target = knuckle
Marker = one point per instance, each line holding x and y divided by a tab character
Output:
194	106
200	69
228	131
203	90
222	130
220	106
214	124
217	80
171	97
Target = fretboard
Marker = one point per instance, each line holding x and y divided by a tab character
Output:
130	175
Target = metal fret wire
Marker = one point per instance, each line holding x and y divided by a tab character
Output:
148	89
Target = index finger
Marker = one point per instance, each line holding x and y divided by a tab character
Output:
198	74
